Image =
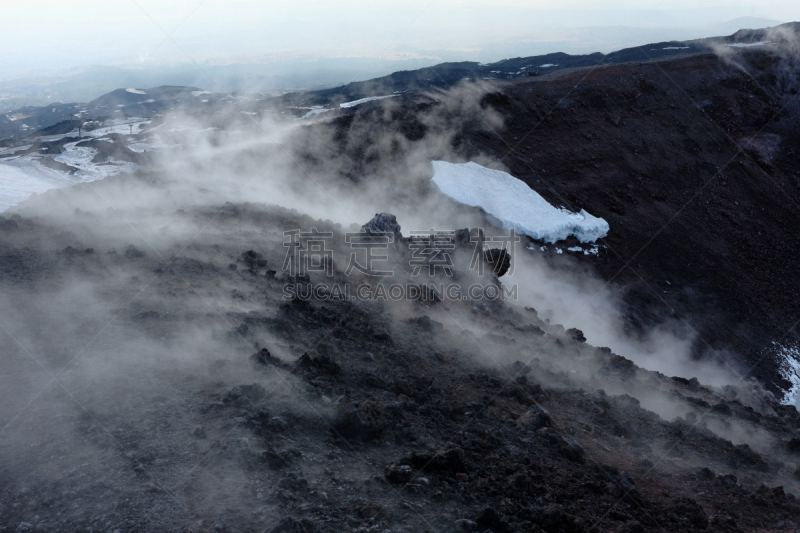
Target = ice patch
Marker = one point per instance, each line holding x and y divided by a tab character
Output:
135	91
363	100
515	204
746	45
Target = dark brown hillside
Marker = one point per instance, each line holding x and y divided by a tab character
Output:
694	165
692	161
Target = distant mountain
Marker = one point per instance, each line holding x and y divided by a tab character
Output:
83	84
744	23
147	102
144	102
121	103
448	74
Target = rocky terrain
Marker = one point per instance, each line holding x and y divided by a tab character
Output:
206	401
692	161
167	368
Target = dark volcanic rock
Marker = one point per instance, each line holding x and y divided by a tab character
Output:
399	474
499	261
690	510
535	418
360	422
384	223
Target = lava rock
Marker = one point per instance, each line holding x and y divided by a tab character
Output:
692	511
246	395
321	364
490	518
498	260
426	324
8	225
535	418
571	450
575	335
793	446
384	223
263	357
359	421
292	525
132	252
398	474
452	461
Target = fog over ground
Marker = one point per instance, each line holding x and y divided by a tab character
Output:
156	377
75	51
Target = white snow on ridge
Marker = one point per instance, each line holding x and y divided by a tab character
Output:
548	65
745	45
515	204
135	91
675	48
363	100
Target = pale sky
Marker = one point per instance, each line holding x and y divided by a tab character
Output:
65	33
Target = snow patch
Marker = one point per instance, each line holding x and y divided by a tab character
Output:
789	368
675	48
363	100
81	158
20	179
548	65
515	204
198	93
15	149
26	175
746	45
314	112
135	91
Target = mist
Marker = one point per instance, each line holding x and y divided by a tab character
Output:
153	366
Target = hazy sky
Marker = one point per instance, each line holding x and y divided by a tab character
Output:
64	33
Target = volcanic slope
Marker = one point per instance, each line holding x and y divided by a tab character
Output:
692	162
210	403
